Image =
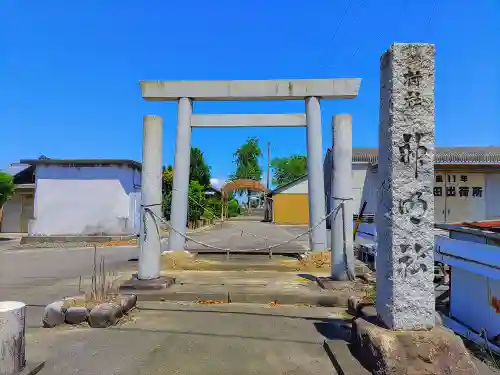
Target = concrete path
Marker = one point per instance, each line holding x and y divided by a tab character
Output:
238	235
189	339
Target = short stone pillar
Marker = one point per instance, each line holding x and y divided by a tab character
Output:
405	212
151	198
12	337
341	196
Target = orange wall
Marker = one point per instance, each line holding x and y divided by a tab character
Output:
291	209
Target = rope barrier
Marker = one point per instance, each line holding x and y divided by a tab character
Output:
247	232
186	237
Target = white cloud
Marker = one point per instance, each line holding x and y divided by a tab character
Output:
217	183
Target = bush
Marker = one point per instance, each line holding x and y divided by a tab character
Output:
233	208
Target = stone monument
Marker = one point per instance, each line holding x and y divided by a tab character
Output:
405	212
402	338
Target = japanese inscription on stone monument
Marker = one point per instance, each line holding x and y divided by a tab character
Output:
405	213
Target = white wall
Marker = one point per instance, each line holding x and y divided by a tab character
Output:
364	184
11	219
492	195
85	200
300	188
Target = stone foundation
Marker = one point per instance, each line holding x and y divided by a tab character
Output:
433	352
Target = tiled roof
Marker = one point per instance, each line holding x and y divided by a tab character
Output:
280	188
84	162
459	155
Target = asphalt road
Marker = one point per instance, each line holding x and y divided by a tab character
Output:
242	235
41	276
26	266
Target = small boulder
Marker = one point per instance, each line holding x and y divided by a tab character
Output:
127	302
76	315
433	352
353	305
105	315
54	314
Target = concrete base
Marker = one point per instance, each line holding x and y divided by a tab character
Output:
386	352
134	283
251	295
329	284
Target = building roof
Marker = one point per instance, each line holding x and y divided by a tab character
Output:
15	168
280	188
444	155
84	162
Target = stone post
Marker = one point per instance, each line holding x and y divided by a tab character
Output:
316	186
178	213
12	337
151	198
405	212
341	187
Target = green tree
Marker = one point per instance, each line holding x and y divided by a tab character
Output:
6	187
288	169
198	169
214	208
196	201
246	159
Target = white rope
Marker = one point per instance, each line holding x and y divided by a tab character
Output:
241	250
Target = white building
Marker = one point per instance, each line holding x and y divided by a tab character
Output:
17	212
467	182
85	197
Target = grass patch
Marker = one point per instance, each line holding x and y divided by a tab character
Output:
370	295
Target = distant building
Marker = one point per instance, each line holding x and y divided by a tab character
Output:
81	197
466	187
288	204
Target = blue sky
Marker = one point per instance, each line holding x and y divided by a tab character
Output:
70	70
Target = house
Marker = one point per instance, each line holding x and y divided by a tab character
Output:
84	197
18	210
288	204
212	192
467	186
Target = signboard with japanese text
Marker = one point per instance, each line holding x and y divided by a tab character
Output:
459	196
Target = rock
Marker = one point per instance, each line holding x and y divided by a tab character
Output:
104	315
53	314
386	352
76	315
127	302
353	305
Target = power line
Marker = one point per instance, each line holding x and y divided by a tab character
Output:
339	25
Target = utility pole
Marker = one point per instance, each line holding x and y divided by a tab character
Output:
268	163
267	214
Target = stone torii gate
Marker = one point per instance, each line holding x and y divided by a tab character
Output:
185	92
